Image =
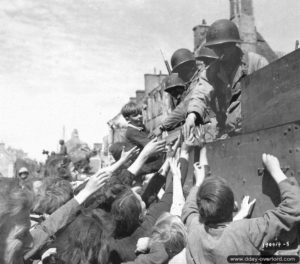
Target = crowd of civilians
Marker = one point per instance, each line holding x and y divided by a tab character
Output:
135	210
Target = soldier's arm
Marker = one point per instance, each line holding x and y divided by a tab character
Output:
176	117
200	100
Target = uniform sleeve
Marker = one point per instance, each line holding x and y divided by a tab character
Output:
199	101
176	117
278	222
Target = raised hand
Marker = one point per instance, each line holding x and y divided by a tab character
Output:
143	244
273	166
199	172
154	147
127	155
96	181
188	143
246	208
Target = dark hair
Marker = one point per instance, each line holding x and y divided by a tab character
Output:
215	201
86	239
53	193
126	211
130	109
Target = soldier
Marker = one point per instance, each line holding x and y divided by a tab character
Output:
204	57
183	62
221	88
175	87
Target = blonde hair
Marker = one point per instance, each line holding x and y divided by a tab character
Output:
170	231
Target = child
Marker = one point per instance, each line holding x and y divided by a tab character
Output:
213	237
136	132
137	135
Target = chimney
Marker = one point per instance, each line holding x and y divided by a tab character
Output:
241	13
132	100
200	34
139	94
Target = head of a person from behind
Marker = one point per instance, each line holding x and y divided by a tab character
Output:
184	63
86	239
23	173
222	37
170	231
61	142
215	201
128	211
133	114
15	238
52	194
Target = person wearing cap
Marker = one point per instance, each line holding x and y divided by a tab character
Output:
222	91
184	74
23	173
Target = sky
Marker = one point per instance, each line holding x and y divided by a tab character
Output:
75	63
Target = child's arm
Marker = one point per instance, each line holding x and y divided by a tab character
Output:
178	198
246	208
153	147
282	219
65	214
190	209
125	156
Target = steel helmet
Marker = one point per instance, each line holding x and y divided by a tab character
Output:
23	170
205	53
179	57
173	81
222	31
61	142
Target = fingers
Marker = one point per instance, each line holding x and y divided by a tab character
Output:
252	202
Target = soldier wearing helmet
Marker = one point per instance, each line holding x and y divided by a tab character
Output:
204	57
187	75
175	87
224	75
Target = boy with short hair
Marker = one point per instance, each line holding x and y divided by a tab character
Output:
136	132
212	236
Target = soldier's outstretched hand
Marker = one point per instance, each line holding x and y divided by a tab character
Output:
189	125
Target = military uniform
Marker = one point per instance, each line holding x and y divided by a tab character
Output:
178	115
223	93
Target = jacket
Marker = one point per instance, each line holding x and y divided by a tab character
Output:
244	237
222	93
178	115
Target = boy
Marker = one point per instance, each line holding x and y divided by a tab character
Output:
136	132
213	237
